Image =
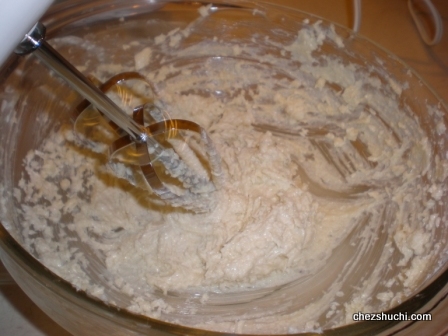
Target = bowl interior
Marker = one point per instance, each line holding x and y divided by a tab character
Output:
300	79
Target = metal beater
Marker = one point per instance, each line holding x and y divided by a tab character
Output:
138	138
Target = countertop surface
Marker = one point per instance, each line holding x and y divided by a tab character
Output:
386	22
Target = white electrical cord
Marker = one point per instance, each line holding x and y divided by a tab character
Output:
357	15
434	15
436	20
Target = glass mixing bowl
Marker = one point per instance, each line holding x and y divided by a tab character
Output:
32	106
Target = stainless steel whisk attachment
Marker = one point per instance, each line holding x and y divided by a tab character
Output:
175	158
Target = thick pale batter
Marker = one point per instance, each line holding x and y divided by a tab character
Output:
324	171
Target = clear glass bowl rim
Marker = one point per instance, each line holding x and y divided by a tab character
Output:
65	12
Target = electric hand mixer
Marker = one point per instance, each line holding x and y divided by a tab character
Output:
137	140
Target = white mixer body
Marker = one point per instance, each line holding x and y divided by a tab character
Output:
17	17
